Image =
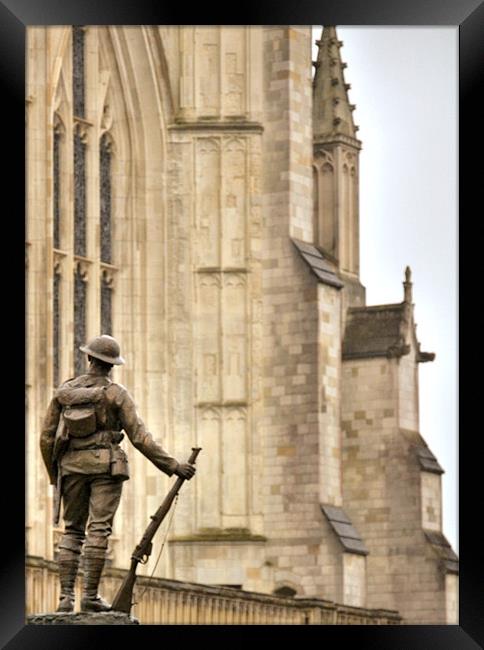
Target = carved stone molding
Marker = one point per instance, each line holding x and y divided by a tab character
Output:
208	144
235	412
235	144
337	139
209	278
322	157
59	257
82	266
81	128
231	125
219	405
59	126
107	123
108	274
234	279
210	412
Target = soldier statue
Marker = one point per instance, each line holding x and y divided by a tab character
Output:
80	447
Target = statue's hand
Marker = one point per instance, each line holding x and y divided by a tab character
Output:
185	471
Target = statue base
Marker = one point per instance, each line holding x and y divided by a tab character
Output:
81	618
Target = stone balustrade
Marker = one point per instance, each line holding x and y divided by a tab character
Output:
180	603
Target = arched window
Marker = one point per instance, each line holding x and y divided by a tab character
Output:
105	196
78	79
58	141
56	162
80	289
83	280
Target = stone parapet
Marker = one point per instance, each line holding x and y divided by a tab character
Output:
160	601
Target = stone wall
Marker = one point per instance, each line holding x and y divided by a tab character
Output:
354	586
431	491
452	598
386	493
329	379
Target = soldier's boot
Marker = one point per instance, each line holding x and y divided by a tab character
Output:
91	601
68	564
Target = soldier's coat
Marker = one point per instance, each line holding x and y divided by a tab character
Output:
116	412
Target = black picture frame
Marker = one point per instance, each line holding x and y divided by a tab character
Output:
15	16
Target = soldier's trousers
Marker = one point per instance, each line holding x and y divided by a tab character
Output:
90	499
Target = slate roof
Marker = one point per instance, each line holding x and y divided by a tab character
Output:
344	529
444	550
425	457
427	460
322	268
375	332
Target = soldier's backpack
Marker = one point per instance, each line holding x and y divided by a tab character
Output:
79	408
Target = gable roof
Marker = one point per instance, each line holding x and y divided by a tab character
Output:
375	331
381	331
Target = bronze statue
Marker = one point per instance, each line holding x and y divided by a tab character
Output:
80	447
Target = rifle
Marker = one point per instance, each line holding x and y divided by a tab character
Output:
57	498
60	446
123	600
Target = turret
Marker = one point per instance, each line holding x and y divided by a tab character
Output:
335	165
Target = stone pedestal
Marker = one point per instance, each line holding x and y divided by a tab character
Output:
79	618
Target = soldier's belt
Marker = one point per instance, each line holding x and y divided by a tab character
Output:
98	440
90	447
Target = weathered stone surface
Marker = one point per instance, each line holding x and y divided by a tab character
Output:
79	618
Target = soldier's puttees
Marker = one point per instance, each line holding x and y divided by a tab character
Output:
80	447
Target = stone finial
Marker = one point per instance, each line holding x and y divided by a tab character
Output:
407	286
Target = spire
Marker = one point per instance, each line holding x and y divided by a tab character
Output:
332	111
407	286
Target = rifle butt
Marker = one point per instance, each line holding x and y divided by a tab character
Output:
123	601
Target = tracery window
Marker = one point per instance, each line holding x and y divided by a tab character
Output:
56	154
80	287
79	192
56	325
83	280
106	304
105	174
78	79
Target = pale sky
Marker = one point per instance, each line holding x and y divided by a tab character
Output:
404	83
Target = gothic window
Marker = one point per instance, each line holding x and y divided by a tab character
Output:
56	189
105	198
57	226
78	82
79	319
56	330
79	193
106	305
83	278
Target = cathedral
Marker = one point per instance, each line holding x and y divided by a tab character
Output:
193	191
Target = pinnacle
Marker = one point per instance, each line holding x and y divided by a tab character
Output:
332	111
407	286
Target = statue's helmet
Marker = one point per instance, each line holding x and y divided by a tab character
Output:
105	348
